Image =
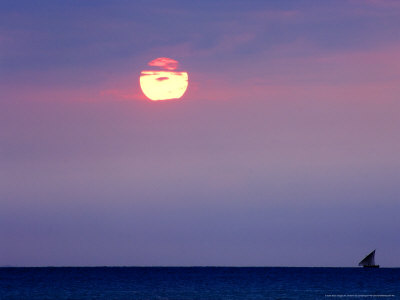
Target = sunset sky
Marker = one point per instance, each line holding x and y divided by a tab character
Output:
284	150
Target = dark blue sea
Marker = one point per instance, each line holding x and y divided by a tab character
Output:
198	283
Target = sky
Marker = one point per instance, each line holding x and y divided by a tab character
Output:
284	150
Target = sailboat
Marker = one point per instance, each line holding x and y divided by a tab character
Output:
369	261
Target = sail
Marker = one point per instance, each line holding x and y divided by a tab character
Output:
369	260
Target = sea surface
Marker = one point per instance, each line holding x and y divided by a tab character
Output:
198	283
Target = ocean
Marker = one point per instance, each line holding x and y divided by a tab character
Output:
198	283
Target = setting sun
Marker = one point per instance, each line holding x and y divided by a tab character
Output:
164	85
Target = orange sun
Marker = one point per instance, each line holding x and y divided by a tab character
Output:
164	85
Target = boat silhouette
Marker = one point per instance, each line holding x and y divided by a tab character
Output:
369	261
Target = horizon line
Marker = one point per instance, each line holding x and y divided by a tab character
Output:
177	266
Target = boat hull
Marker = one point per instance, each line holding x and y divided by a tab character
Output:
372	266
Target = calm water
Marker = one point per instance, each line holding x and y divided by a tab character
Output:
198	283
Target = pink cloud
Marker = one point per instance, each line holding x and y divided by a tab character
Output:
274	14
165	63
120	94
382	3
372	75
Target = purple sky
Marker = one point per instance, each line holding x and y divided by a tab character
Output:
284	151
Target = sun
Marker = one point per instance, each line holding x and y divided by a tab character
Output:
166	84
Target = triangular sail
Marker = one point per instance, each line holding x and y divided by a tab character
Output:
369	260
